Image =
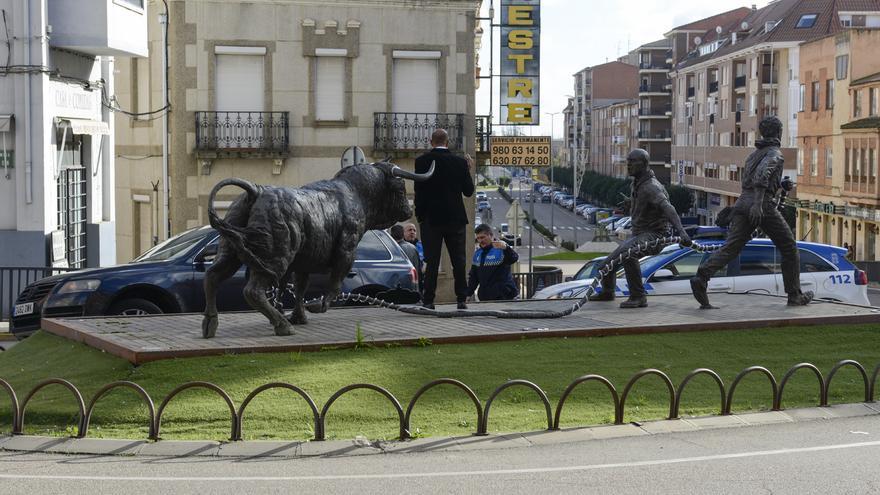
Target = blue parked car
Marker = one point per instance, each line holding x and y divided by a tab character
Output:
824	270
169	279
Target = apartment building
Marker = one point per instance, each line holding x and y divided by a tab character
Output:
581	116
838	131
613	82
616	128
569	133
56	128
655	105
735	75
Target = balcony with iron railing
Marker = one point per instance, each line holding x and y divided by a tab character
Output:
648	135
769	75
655	112
713	87
654	66
660	159
242	134
482	131
653	88
691	92
739	82
411	132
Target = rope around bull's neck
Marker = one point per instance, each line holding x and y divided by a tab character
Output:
634	251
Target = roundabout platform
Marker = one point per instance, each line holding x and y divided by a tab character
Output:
140	339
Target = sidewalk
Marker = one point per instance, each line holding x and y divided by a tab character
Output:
363	446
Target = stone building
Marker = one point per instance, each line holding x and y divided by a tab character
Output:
275	91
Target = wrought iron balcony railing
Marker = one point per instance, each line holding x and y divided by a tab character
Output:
653	88
483	131
243	132
739	82
399	131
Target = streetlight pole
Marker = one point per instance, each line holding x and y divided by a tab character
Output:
552	182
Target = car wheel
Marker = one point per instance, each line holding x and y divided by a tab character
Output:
134	307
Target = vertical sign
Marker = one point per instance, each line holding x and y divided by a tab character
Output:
520	61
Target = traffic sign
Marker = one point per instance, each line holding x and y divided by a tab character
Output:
520	151
515	212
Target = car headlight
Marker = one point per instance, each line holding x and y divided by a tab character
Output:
562	295
87	285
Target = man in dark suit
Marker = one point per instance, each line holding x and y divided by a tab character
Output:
441	214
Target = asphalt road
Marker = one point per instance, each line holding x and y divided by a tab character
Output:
566	224
821	456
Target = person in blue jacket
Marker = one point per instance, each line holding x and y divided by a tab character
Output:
490	268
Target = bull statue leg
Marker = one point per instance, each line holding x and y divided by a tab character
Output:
337	275
255	295
224	266
301	283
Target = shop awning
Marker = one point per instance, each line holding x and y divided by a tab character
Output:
5	123
91	127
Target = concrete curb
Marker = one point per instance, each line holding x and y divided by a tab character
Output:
362	446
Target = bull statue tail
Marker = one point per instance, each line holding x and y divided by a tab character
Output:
238	236
248	187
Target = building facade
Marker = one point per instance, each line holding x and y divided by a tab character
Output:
839	126
595	87
736	75
615	134
582	116
56	128
276	91
655	105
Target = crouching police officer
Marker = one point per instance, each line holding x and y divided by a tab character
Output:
490	268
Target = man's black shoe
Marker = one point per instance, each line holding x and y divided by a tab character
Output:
635	302
800	299
605	295
698	288
428	305
462	305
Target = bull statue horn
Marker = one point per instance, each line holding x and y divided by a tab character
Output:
405	174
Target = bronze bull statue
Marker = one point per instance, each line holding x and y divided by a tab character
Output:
284	233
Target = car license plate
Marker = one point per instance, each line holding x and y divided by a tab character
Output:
23	309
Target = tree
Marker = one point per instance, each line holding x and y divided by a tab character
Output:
680	197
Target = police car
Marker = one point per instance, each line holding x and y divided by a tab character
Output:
757	270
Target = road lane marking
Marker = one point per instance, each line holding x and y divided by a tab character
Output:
588	467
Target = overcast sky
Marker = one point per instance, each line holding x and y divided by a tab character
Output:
581	33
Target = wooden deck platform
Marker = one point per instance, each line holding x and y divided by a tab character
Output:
149	338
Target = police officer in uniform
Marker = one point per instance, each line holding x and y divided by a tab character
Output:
653	217
761	180
490	268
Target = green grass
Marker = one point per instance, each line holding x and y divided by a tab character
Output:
551	363
569	256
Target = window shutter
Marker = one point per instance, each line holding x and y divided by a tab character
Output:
415	86
240	85
330	88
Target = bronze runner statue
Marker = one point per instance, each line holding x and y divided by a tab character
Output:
653	217
755	207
